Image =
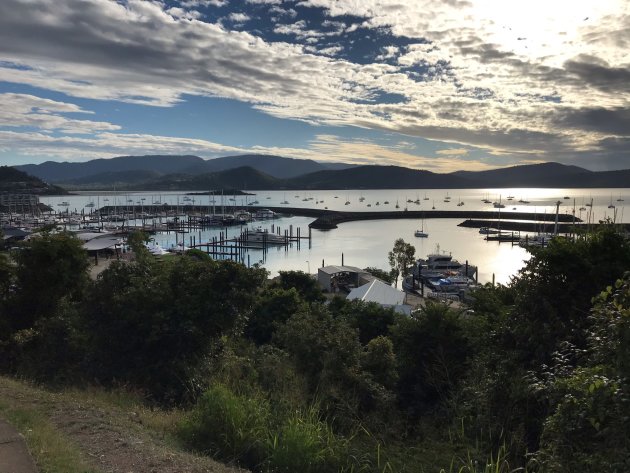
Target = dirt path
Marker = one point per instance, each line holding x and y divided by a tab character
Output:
111	440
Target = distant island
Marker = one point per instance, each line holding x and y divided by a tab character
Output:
264	172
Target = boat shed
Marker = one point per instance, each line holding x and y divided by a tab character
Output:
334	278
381	293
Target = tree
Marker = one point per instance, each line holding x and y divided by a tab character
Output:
382	275
401	258
307	287
153	325
49	268
273	307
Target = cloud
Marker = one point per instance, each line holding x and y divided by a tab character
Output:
106	145
239	17
203	3
512	78
453	152
22	110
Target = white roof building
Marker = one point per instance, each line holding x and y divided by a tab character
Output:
381	293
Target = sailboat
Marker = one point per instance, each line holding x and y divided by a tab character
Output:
611	206
498	205
285	201
425	196
421	233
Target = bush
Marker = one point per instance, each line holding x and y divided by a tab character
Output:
228	426
305	443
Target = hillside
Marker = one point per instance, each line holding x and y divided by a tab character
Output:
276	166
51	171
275	172
377	177
91	174
239	178
531	175
94	431
15	181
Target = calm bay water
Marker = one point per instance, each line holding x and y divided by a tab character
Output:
366	243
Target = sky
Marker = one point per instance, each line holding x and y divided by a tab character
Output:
442	85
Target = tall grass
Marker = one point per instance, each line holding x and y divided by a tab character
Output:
228	426
242	428
304	442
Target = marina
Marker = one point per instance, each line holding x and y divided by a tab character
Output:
285	236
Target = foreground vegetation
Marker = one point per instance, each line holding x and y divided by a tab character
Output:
265	374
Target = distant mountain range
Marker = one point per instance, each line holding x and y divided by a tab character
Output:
255	172
130	169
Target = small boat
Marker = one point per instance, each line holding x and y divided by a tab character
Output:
369	205
421	233
386	202
265	213
510	197
258	235
498	205
566	197
378	203
488	231
425	196
611	206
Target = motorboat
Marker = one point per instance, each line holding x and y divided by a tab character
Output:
442	264
265	213
258	235
488	231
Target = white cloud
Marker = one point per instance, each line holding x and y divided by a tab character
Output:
22	110
510	77
203	3
239	17
453	152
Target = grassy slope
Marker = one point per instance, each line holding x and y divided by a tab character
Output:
94	431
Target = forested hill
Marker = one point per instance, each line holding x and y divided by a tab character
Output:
257	172
12	180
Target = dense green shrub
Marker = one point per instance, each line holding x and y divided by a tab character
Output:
152	324
229	426
432	353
